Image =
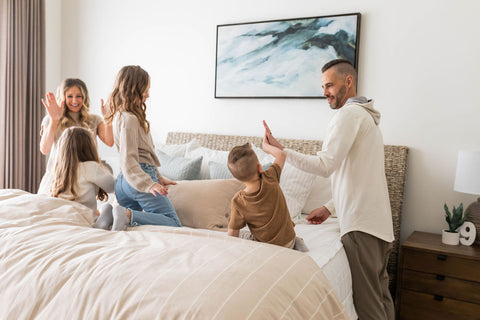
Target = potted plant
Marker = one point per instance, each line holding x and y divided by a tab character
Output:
455	221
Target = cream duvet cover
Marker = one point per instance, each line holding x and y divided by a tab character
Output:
54	265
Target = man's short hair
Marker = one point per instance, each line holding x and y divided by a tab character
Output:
242	162
343	67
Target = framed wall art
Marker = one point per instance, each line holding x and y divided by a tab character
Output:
282	58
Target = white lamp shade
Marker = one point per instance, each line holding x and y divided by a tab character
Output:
467	178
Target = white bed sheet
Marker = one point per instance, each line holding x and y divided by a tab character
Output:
326	249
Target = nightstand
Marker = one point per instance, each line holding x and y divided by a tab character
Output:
437	281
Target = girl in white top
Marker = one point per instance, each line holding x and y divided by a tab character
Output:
78	174
71	109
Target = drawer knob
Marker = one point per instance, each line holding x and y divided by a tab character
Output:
442	257
438	298
440	277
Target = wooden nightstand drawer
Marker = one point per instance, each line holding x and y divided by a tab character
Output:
440	285
441	263
437	281
416	305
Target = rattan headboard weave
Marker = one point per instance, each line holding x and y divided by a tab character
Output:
395	171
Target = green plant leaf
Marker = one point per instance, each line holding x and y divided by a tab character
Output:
448	216
455	219
456	216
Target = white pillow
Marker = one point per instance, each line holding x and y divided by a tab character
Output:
296	184
219	170
321	193
263	157
174	150
195	150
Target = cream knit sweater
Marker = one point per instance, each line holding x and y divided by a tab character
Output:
135	146
353	155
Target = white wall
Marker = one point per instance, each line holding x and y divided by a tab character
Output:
418	60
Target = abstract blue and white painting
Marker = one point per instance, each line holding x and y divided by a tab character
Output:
283	58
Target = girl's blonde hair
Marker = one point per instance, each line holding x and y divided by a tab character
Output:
66	120
75	145
128	94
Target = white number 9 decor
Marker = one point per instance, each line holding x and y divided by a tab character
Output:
467	233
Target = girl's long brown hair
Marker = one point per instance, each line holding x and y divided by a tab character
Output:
127	95
75	145
85	117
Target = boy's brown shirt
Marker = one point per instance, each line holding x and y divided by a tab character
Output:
264	211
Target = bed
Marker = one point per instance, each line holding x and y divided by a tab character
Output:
334	258
53	264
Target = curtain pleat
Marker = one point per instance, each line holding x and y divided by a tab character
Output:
22	81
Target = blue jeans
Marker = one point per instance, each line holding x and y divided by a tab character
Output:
145	207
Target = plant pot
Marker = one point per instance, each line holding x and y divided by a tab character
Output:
450	238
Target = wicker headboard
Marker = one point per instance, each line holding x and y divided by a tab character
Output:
395	171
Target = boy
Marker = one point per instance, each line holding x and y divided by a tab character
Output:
261	205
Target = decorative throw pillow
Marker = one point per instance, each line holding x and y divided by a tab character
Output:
296	186
179	168
221	171
321	193
195	150
204	204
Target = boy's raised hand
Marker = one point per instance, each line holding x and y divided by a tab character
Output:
271	145
269	137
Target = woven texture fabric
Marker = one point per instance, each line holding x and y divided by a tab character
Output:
395	171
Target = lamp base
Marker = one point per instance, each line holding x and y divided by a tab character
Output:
474	217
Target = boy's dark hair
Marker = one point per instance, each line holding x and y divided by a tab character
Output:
343	66
242	162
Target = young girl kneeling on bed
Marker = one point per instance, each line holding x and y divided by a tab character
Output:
79	175
261	205
140	189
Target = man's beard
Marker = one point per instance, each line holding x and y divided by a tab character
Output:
338	99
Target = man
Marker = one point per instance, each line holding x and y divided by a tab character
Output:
353	155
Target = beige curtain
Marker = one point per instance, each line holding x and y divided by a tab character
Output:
22	84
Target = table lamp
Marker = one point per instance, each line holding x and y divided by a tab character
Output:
467	180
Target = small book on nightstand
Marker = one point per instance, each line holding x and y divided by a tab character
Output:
437	281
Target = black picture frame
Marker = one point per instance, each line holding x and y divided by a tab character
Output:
282	58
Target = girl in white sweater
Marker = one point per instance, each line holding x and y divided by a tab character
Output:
79	175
